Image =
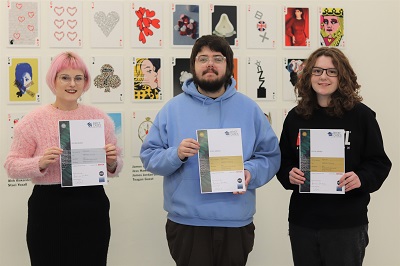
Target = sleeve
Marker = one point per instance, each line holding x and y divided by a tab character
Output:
156	154
375	164
266	157
20	161
289	153
112	139
288	27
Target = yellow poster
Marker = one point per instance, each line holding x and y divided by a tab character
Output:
23	77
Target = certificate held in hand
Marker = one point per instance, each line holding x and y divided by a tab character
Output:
221	160
83	161
321	160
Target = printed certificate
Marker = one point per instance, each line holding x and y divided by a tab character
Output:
83	161
221	160
321	160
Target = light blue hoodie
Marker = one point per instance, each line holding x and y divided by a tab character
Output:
179	119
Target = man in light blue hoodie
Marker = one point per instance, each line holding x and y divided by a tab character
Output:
212	229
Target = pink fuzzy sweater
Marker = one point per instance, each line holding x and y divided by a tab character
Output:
38	131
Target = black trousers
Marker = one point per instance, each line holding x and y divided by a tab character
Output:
209	246
68	226
328	247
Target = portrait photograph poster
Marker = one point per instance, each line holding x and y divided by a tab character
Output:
65	26
261	80
23	24
185	24
147	79
142	120
261	26
297	27
107	20
147	24
107	79
23	80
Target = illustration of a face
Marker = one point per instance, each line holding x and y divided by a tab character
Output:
149	74
27	80
23	76
331	24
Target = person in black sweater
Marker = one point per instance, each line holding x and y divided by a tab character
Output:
332	229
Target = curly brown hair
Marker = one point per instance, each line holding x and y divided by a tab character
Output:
343	99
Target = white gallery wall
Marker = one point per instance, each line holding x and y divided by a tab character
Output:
137	217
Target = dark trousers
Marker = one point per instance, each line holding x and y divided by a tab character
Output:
68	226
328	247
209	246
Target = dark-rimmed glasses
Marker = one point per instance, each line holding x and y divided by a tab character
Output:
331	72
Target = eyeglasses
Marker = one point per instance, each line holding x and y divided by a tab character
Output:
67	79
217	59
331	72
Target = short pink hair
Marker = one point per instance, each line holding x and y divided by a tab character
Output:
63	61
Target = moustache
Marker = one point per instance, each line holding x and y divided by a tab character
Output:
210	70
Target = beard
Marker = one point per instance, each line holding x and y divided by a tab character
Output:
209	85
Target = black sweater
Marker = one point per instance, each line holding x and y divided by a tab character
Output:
364	154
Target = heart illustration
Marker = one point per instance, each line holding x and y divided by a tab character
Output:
31	27
72	23
31	14
72	10
72	35
59	10
106	23
59	35
21	18
59	23
18	5
16	35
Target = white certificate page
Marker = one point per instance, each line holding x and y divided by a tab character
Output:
83	161
221	160
322	160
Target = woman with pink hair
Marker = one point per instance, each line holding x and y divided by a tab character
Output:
66	226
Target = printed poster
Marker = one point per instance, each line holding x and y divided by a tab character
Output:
23	24
331	31
147	24
107	84
297	27
224	22
107	20
147	79
261	26
261	78
142	121
66	24
23	80
185	24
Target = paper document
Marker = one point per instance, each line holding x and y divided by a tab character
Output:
83	161
322	160
221	160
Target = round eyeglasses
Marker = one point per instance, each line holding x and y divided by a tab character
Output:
67	79
217	59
